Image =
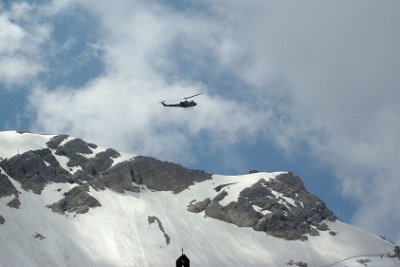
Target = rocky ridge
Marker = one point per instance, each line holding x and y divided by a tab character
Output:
281	207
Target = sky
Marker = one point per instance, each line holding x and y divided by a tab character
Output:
304	86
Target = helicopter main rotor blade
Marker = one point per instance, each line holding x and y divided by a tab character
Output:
193	96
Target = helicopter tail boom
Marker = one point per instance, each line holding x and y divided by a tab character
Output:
170	105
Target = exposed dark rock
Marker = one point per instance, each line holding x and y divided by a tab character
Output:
48	157
15	203
31	171
164	176
332	233
2	220
75	159
293	182
91	167
56	141
314	232
79	176
98	183
292	220
153	219
34	169
299	263
119	178
240	213
220	196
91	145
218	188
74	149
216	211
22	131
6	187
75	200
257	192
101	162
200	206
78	146
323	227
283	225
281	207
39	236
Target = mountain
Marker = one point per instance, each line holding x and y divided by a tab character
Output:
67	202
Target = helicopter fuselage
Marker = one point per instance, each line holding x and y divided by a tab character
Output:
182	104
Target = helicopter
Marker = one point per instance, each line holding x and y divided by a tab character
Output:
182	104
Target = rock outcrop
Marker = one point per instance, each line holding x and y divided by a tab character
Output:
6	187
34	169
281	207
75	200
164	176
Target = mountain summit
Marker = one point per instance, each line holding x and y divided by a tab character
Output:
67	202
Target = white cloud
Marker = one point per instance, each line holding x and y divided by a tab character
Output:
126	114
20	60
11	35
324	74
121	107
14	70
25	41
337	64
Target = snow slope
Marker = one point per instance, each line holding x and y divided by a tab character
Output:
12	143
371	261
120	232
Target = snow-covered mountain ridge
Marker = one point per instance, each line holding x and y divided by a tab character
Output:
66	202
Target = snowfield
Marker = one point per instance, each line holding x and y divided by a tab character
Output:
119	233
12	143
